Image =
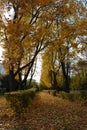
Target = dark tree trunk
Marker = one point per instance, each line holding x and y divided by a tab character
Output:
54	82
55	86
11	81
66	78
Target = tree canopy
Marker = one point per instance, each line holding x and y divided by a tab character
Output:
58	28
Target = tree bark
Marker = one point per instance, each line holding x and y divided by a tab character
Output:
66	78
11	79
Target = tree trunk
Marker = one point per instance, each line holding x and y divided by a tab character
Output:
11	81
54	80
66	78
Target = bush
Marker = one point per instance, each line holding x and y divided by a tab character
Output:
40	87
80	97
62	95
2	91
31	84
20	100
5	84
83	96
53	92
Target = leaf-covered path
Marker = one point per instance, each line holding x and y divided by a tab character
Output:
46	113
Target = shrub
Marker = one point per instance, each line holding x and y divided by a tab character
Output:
20	100
31	84
83	96
40	87
68	96
80	97
62	95
53	92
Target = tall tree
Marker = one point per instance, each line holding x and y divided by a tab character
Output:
50	69
35	25
68	29
25	35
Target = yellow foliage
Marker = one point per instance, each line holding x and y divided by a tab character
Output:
39	23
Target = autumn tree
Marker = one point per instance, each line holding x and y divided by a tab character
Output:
35	24
50	69
24	36
68	30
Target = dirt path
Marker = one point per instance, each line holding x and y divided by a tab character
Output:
48	113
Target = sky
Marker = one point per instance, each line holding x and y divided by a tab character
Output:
8	15
38	69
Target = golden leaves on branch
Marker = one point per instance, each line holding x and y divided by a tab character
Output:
42	2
